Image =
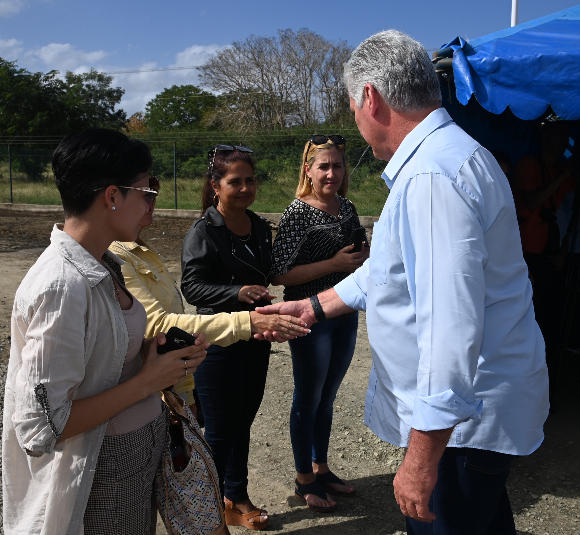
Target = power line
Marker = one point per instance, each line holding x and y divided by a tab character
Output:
161	69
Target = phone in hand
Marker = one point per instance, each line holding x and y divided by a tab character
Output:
359	237
176	338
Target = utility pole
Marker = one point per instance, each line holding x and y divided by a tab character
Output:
514	12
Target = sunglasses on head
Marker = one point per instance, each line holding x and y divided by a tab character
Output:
212	153
321	139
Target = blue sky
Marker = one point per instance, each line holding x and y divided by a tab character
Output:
142	35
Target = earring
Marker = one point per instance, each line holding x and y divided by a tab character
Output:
216	199
113	208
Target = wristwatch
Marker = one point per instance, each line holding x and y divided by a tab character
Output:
317	307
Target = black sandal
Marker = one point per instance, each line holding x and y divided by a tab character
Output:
300	491
324	481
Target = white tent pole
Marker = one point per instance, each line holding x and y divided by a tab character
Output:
514	12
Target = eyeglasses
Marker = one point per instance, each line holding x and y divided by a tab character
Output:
150	194
321	139
212	153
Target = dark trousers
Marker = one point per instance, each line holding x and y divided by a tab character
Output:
470	497
230	384
320	362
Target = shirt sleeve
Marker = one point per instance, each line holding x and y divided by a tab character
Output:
53	367
353	289
221	329
442	244
289	240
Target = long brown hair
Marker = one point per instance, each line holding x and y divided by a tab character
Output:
309	155
222	161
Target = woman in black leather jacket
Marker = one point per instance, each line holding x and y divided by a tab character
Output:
225	268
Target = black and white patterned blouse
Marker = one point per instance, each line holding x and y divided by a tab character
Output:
307	235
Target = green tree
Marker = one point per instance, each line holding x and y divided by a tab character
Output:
27	109
180	107
89	101
38	104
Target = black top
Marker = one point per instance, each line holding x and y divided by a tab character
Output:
307	235
215	263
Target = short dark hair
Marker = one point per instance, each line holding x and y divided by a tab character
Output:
88	161
221	164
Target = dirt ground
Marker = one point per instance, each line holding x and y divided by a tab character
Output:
544	487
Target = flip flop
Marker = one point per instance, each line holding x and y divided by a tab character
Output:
234	517
314	488
324	480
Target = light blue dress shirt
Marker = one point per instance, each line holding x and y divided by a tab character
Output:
449	306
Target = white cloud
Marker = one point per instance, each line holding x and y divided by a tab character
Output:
11	7
10	49
195	55
140	87
66	57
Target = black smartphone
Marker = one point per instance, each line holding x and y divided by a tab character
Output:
176	338
359	237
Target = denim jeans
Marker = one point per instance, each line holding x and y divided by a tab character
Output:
230	383
320	361
470	496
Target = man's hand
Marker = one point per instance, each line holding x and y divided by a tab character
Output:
413	487
298	309
417	476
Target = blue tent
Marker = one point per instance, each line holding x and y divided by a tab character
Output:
530	67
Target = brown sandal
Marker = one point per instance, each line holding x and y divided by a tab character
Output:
234	517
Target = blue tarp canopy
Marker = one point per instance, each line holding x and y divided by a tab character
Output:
530	67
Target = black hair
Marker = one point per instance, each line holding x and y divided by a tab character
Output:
86	162
221	163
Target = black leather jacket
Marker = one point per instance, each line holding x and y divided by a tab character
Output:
215	264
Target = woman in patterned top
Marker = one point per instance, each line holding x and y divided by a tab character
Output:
312	252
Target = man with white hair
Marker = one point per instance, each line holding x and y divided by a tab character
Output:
458	374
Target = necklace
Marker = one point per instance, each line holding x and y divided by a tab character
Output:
244	239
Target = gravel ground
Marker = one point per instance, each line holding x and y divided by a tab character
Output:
544	487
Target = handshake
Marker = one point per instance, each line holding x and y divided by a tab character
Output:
289	319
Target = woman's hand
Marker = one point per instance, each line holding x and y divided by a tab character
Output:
162	371
282	328
250	294
347	262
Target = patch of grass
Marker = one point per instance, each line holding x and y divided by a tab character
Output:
368	193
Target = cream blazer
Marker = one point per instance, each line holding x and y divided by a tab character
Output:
69	342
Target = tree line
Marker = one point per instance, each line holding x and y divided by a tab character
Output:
291	80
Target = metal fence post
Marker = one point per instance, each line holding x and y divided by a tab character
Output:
175	171
10	173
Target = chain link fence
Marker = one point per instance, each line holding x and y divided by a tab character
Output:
180	162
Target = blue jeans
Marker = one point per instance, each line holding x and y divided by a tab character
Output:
320	361
230	383
470	496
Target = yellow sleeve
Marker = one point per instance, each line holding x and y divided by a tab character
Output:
221	329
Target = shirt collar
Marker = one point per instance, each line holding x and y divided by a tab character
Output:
413	139
87	265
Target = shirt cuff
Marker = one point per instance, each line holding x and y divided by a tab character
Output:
444	411
351	293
